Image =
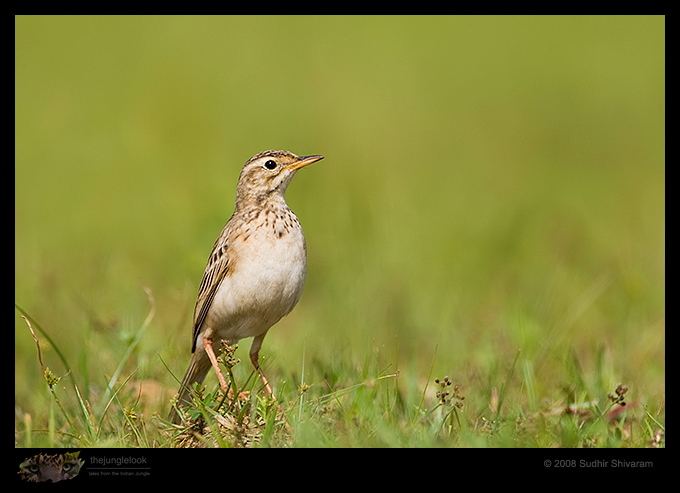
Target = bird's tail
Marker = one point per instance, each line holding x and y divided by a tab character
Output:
198	369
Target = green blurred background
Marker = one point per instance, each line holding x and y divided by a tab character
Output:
490	184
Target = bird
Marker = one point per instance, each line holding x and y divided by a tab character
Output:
255	272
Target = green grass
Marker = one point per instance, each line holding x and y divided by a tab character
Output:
359	406
491	208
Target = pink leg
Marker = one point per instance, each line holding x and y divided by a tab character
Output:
254	355
254	358
207	344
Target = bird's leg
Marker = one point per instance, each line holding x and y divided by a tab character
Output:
254	355
254	358
207	344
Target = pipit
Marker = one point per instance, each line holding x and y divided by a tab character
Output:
255	272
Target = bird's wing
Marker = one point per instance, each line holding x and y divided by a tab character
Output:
215	272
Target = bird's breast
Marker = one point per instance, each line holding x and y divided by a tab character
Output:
268	263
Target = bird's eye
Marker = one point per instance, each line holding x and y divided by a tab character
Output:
270	164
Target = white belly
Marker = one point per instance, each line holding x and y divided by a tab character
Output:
264	283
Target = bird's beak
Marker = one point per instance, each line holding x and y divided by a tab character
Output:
304	161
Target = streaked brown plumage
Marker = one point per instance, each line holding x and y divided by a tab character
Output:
256	271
